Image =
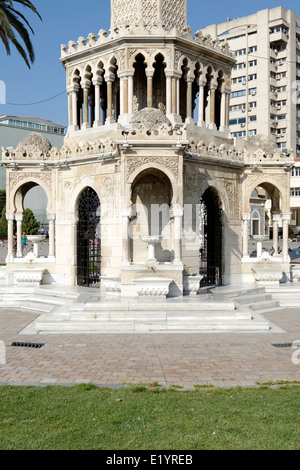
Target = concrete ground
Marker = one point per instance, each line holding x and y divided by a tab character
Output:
224	359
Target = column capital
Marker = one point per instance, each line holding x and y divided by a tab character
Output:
246	216
86	85
213	85
276	217
286	217
109	78
51	216
149	73
98	81
19	217
10	217
73	88
173	74
177	211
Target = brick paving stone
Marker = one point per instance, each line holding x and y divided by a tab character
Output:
223	359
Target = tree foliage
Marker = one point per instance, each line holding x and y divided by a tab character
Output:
30	225
15	28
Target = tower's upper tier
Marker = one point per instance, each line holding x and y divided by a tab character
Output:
169	13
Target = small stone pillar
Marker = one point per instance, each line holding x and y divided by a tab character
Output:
125	214
246	220
19	219
285	234
276	218
201	104
178	215
10	233
51	219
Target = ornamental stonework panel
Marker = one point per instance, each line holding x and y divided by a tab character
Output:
170	163
43	178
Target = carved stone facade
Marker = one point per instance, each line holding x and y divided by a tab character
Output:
152	12
142	163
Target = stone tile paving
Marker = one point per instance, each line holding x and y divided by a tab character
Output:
222	359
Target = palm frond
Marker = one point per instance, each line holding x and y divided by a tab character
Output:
14	27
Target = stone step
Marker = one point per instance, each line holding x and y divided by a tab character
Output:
251	299
158	315
132	305
269	304
147	327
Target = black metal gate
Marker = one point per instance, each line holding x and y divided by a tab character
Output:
88	239
211	251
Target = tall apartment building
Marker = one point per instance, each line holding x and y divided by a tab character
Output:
265	96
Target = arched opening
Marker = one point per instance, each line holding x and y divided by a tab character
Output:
218	97
90	107
206	103
266	222
183	90
88	239
31	216
151	200
140	83
159	84
211	238
115	89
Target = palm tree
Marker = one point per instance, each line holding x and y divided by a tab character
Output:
14	26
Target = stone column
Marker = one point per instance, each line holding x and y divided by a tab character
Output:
125	214
125	95
149	74
121	96
201	105
227	110
276	218
178	96
169	94
130	92
97	84
223	111
10	234
178	215
109	81
246	220
19	220
213	88
285	234
74	98
189	100
86	106
174	95
70	110
51	219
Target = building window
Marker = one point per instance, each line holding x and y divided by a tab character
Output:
236	94
240	52
295	171
295	192
252	49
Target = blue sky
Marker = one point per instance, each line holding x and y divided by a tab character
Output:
65	20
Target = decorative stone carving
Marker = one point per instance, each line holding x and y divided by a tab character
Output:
152	287
31	276
150	119
112	285
191	283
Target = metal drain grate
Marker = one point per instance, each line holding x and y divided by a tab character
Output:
28	345
283	345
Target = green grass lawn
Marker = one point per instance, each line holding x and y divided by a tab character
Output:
86	417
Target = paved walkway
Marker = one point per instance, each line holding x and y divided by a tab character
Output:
222	359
